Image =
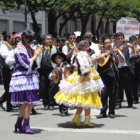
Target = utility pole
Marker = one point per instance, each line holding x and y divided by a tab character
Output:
25	13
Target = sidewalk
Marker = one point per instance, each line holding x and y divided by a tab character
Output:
48	125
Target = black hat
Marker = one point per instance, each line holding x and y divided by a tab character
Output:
61	54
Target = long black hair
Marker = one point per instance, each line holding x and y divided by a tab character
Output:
28	36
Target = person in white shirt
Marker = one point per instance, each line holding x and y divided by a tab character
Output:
134	67
88	36
5	48
1	40
70	48
124	72
93	46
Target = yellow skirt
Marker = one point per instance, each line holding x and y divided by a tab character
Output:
87	100
80	91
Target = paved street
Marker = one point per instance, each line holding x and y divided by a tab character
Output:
48	125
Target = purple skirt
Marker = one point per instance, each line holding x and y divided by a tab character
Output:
22	97
24	88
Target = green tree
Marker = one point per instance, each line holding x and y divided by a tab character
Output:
30	6
112	10
55	9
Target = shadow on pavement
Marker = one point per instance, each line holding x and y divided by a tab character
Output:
31	114
58	114
36	131
126	107
47	109
69	125
120	116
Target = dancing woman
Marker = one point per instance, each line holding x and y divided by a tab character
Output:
24	83
80	89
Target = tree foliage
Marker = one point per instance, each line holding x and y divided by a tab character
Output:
112	10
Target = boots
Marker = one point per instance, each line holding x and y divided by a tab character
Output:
76	120
18	124
87	122
26	128
34	112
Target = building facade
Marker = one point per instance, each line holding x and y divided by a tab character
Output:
75	25
14	21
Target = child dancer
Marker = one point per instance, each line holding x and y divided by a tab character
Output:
60	59
80	88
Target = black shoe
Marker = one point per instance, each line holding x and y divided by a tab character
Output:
51	107
34	112
15	106
130	106
135	102
9	109
63	114
118	106
101	116
46	107
112	116
67	114
2	107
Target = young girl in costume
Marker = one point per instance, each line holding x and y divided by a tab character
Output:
80	89
24	83
61	66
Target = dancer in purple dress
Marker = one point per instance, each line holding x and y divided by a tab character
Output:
24	83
